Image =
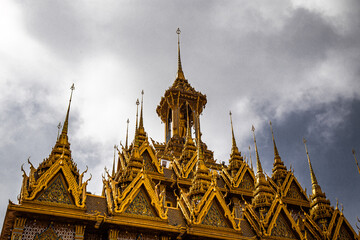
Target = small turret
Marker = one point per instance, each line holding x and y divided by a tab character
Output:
235	157
279	170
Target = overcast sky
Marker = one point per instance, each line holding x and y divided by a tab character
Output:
295	63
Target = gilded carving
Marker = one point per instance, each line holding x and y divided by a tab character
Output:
56	192
247	182
294	192
344	234
282	228
214	217
140	206
48	234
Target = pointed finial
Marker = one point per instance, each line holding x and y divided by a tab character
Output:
113	169
276	153
137	114
312	174
141	124
180	73
250	159
357	164
258	163
127	134
66	122
58	126
232	132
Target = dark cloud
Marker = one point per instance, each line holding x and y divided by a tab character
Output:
296	65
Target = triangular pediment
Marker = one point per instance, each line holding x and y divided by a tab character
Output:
140	205
148	162
47	234
247	181
56	192
345	233
282	227
151	162
215	217
294	191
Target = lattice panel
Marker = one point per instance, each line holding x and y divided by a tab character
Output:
62	230
137	236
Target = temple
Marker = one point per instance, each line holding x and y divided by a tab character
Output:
172	189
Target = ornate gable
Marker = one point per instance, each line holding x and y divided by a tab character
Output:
294	191
56	192
148	154
140	205
282	228
247	181
214	217
141	192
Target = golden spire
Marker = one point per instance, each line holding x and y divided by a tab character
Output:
320	208
234	148
279	171
127	134
137	114
141	124
58	126
180	73
353	151
312	174
66	122
276	153
113	169
258	163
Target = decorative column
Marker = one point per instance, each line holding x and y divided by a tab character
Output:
79	232
113	234
18	228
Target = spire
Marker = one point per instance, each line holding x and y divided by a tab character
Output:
180	73
127	134
320	208
141	124
113	169
357	164
234	148
312	174
199	147
279	171
236	159
66	122
258	163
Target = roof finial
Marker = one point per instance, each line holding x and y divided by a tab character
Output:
276	153
250	159
258	163
234	147
141	124
127	134
113	170
58	126
180	73
137	114
66	122
353	151
312	174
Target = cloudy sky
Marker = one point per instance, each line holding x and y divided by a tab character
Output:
295	63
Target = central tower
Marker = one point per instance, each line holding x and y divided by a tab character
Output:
180	101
